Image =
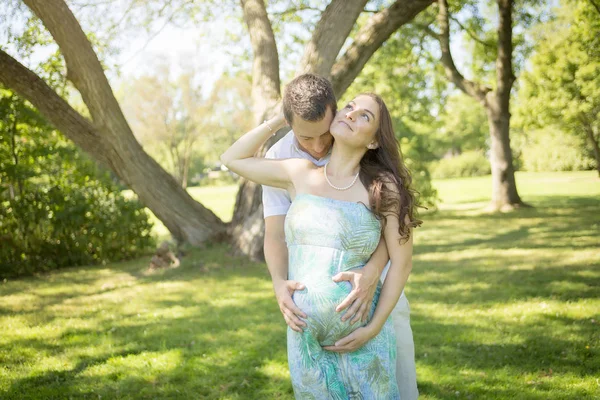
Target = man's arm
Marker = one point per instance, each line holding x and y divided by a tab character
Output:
276	255
364	282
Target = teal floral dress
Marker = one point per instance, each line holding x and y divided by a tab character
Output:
324	237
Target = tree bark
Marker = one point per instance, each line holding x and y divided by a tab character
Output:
329	35
504	187
247	224
473	89
594	142
378	28
496	103
108	137
265	68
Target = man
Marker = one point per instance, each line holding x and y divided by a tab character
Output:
309	106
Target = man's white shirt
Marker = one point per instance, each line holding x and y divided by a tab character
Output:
277	201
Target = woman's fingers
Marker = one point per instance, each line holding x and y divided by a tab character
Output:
345	340
352	310
341	348
352	342
352	296
365	317
360	314
343	276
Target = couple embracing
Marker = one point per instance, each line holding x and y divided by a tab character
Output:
338	205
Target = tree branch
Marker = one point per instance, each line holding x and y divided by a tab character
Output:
83	68
428	30
155	34
27	84
470	33
329	36
471	88
378	28
295	10
596	6
108	138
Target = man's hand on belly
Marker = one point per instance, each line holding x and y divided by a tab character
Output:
291	313
364	282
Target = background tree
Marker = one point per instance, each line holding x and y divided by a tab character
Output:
496	101
464	127
229	100
428	108
562	87
169	116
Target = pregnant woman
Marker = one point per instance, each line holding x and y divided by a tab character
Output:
334	224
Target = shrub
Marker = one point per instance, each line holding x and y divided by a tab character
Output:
75	223
469	163
551	149
57	208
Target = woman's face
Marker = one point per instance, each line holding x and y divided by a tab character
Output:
356	124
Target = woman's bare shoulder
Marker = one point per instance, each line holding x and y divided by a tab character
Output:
300	164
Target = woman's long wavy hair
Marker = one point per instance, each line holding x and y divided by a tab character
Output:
384	174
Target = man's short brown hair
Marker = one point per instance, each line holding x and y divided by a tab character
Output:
308	97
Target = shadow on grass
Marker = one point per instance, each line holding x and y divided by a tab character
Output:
556	222
492	271
462	364
231	344
220	350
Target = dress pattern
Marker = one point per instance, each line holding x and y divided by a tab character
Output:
324	237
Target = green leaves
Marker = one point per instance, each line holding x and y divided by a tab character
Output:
57	208
562	87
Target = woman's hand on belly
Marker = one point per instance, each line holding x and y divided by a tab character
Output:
353	341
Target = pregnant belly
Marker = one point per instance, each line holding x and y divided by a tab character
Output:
319	300
314	266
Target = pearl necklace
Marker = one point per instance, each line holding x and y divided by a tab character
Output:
336	187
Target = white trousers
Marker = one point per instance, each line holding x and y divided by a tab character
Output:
406	373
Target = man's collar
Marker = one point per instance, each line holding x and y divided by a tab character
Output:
296	146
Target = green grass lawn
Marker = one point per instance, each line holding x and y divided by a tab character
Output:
504	306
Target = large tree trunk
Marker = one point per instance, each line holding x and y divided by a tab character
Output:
504	187
247	226
594	143
108	137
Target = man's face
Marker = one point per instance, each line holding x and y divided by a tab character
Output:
314	137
